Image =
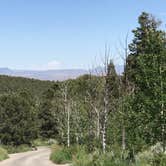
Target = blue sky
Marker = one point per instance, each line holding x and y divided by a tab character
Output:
55	34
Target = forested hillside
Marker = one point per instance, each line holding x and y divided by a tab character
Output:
14	84
104	119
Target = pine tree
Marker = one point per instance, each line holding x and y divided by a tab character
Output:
146	70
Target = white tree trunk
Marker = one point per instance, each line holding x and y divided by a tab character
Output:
67	110
104	138
163	128
68	126
77	139
98	125
104	124
162	112
123	138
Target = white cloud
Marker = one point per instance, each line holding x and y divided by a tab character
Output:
52	65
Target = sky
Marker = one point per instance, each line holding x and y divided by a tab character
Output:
63	34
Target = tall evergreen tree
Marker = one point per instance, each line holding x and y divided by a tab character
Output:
148	39
146	70
48	123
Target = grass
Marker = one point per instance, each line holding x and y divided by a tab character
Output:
98	159
44	142
3	154
78	156
64	155
61	155
24	148
17	149
82	158
151	157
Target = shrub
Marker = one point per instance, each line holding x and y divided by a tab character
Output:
98	159
3	154
159	159
109	159
151	157
145	158
20	124
61	155
82	158
17	149
44	142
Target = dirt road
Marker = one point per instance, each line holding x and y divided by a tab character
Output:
34	158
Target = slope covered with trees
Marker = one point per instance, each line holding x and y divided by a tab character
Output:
112	119
10	84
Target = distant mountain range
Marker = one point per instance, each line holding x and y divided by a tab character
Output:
50	74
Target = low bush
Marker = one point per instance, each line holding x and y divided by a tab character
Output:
98	159
79	156
82	158
17	149
109	159
151	157
44	142
159	159
3	154
61	155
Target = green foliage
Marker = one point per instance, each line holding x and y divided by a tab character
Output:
147	37
79	156
112	82
159	159
17	149
61	155
108	160
10	84
3	154
44	142
48	123
129	109
83	159
145	70
18	119
153	156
